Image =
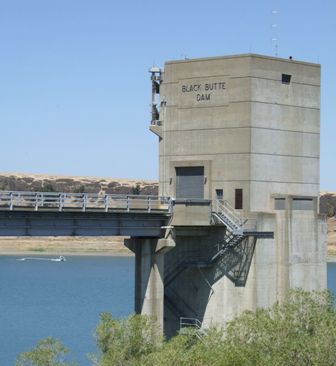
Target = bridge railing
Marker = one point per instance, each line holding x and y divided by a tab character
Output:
52	201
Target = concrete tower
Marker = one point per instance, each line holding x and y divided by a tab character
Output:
240	131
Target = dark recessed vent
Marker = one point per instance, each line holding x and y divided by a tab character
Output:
286	79
238	199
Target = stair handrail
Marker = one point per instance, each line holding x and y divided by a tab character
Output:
223	207
190	322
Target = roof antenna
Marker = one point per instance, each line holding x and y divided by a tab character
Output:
274	32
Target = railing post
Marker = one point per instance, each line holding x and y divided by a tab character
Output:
61	202
84	202
36	201
106	202
11	204
149	204
127	204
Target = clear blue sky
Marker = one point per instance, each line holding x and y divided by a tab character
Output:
74	81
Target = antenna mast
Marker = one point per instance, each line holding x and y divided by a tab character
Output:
274	31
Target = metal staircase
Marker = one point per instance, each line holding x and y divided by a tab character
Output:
232	256
223	214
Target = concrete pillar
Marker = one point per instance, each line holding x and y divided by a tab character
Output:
149	274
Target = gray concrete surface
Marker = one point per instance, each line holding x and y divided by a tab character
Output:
236	117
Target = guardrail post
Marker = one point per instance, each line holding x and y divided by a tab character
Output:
84	202
106	202
149	204
61	202
11	203
36	201
127	204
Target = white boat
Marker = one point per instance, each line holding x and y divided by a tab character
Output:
59	259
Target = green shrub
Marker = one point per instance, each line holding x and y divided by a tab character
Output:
299	331
124	342
48	352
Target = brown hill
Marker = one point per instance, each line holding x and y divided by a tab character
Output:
50	183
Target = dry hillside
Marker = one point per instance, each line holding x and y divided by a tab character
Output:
49	183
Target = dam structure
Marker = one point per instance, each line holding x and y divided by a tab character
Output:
236	223
243	133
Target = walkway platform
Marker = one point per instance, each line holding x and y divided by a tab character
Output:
82	214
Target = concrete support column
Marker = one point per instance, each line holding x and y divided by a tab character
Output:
149	274
149	280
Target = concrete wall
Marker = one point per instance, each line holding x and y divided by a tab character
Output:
285	128
236	117
256	133
216	130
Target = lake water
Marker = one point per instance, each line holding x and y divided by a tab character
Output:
60	299
64	299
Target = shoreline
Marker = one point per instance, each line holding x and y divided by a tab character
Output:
64	253
66	246
330	258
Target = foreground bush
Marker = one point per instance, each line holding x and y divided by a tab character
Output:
298	332
48	352
123	342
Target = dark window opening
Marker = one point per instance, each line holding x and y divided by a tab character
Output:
219	194
238	199
286	79
279	204
302	203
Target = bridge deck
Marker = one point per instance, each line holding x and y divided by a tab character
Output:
89	214
82	214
